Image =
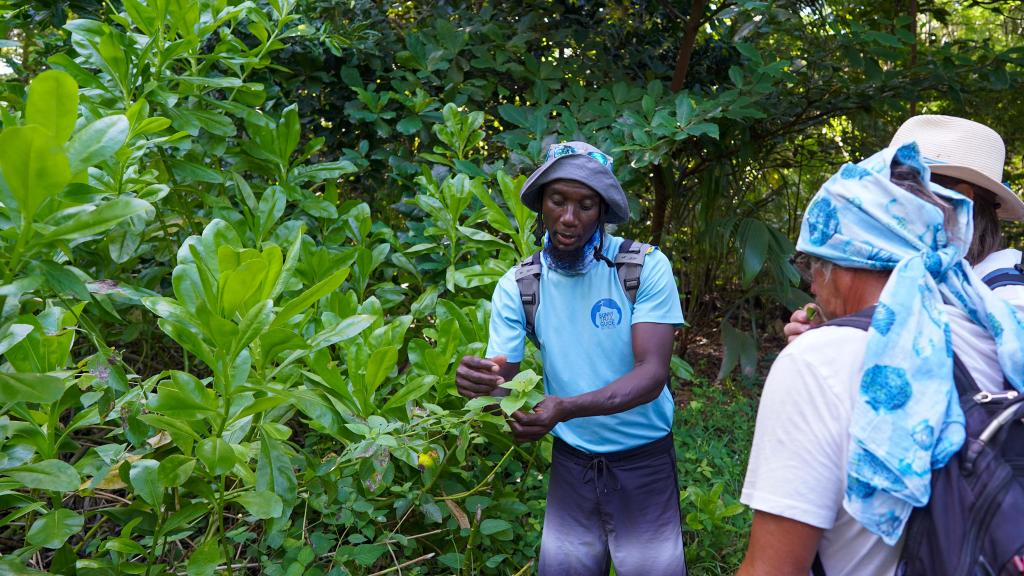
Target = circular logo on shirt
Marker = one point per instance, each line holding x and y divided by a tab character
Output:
606	314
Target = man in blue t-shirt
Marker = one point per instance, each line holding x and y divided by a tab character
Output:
612	490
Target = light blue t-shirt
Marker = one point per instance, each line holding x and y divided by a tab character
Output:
584	324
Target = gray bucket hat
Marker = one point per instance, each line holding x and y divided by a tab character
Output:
581	162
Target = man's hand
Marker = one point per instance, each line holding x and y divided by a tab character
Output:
479	376
802	320
530	427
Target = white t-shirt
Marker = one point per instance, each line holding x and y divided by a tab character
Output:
1003	259
797	465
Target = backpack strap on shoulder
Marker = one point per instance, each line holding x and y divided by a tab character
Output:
629	264
860	319
528	280
1005	277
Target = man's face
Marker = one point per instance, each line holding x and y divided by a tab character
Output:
571	212
828	294
839	291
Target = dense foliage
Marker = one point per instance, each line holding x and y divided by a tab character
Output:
244	245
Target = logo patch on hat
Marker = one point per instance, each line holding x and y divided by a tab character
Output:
606	314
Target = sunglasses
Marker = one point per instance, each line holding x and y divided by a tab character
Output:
805	265
559	150
952	182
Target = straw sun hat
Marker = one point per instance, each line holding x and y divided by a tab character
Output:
963	149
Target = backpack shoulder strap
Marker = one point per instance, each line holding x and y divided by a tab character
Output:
629	264
818	569
860	319
528	280
1004	277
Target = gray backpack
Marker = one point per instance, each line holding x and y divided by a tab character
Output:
629	263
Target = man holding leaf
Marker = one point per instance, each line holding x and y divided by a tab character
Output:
605	328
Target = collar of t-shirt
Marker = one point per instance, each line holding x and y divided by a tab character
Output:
1002	259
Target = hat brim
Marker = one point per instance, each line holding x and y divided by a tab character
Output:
589	172
1011	207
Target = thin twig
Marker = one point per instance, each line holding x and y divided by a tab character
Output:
524	569
405	564
110	496
225	567
431	533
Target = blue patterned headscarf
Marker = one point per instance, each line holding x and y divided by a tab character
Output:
906	419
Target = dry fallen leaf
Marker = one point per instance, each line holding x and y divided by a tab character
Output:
459	515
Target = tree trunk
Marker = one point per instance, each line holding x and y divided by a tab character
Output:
913	49
661	182
686	46
661	197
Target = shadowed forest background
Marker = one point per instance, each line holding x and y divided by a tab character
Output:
245	244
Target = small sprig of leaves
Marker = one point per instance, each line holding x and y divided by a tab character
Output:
524	391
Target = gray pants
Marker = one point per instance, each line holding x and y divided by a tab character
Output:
619	508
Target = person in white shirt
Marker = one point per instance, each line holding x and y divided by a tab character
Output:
967	157
851	423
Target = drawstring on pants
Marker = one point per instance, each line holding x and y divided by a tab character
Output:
598	472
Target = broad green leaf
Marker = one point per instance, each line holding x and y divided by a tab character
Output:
261	504
11	335
188	339
271	207
142	16
425	302
97	142
34	166
367	554
101	219
29	387
288	133
310	297
54	475
184	14
172	310
184	516
347	328
511	403
183	397
411	390
381	362
274	471
523	382
409	125
754	240
217	455
53	104
123	244
62	279
205	558
114	58
172	425
740	349
54	528
493	526
211	81
11	566
288	267
237	285
175	470
274	259
255	323
145	478
192	172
